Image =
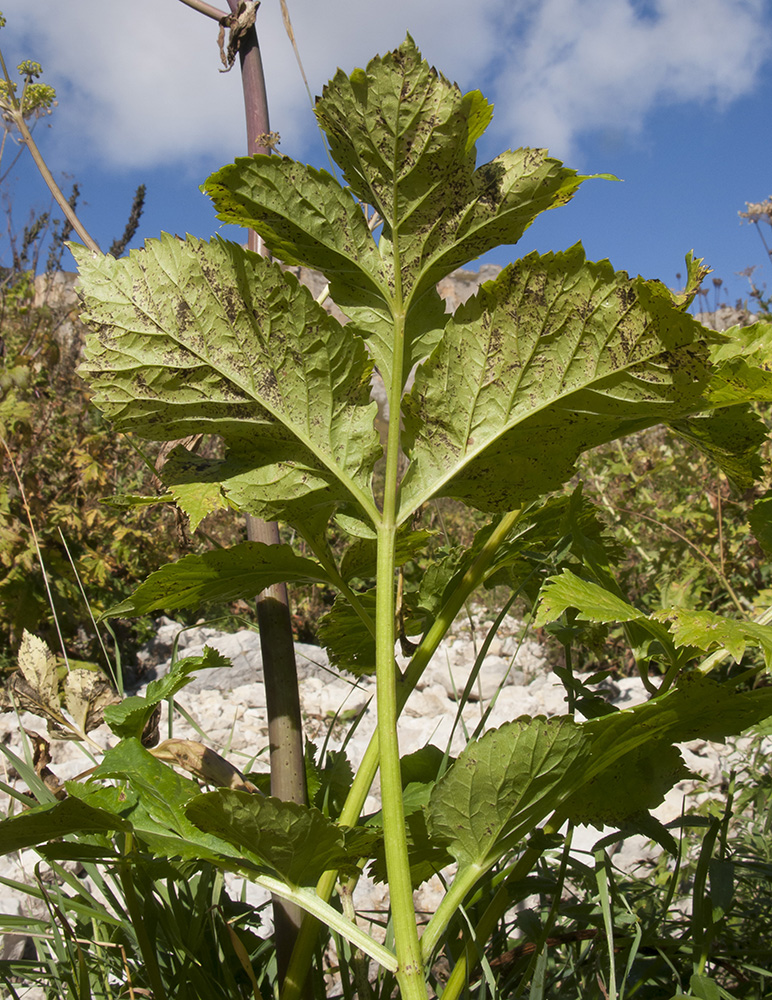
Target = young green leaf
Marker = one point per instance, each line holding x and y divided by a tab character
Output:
192	487
296	842
706	630
57	819
405	139
201	337
219	575
129	717
162	794
503	784
596	603
556	356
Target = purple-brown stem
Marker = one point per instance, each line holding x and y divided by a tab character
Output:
285	734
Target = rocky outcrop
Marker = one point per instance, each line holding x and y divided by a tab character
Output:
725	317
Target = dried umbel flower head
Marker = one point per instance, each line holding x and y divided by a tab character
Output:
760	211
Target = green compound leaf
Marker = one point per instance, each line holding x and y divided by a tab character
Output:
554	357
707	631
674	627
631	762
297	842
593	602
195	337
605	770
220	575
628	787
349	644
503	784
697	708
405	138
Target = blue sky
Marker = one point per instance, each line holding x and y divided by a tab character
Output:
672	96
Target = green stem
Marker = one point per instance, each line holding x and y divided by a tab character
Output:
497	907
410	974
408	948
360	788
328	564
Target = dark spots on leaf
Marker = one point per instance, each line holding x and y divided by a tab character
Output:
183	315
532	158
489	179
627	296
268	384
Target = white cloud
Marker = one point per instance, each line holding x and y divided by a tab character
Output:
594	64
139	85
137	80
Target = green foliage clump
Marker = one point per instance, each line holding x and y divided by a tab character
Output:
685	534
557	356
